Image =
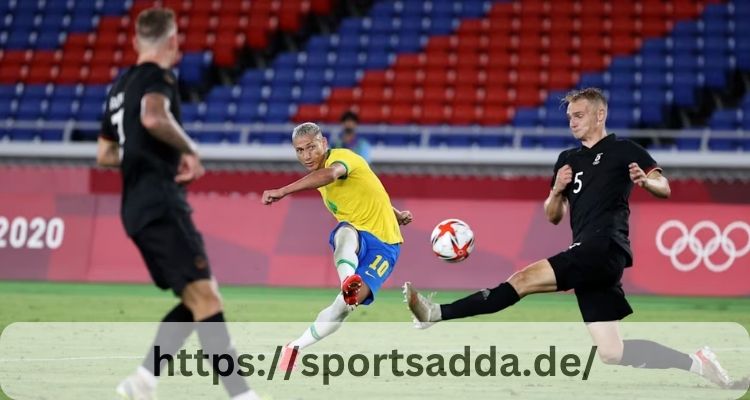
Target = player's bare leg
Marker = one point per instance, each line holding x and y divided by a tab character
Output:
613	349
535	278
353	291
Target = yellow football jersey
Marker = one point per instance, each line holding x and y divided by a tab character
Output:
359	198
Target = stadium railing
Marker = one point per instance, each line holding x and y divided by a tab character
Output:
420	148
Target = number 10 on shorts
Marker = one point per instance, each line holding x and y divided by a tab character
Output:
379	265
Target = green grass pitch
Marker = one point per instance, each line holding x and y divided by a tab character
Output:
73	302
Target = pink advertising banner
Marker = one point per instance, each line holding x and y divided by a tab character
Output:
680	249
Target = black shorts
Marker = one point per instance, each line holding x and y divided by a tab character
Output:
594	268
173	251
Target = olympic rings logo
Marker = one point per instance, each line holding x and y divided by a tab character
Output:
702	252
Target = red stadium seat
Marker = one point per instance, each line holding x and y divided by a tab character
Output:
310	112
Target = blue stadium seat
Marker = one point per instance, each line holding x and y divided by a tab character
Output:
48	40
494	140
252	79
60	110
22	135
318	44
716	78
208	136
189	112
685	45
350	26
222	94
473	8
441	25
94	92
686	63
18	39
285	61
654	48
409	42
622	81
623	65
30	109
36	92
7	92
725	120
51	135
311	93
248	112
90	110
344	77
591	80
281	94
620	118
6	108
722	144
269	138
400	139
654	80
278	112
526	117
377	60
193	66
113	8
450	140
81	22
652	110
217	112
685	29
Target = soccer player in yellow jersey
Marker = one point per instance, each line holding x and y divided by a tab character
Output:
367	240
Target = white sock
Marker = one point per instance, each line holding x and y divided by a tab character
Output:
249	395
148	378
696	367
345	258
328	321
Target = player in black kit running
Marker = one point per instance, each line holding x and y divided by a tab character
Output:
142	118
594	181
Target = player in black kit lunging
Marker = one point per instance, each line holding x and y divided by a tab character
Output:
142	117
594	181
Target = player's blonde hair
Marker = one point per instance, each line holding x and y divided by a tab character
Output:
306	128
154	25
592	94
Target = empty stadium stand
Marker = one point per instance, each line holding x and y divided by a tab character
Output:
460	63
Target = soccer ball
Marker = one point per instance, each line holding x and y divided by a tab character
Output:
452	240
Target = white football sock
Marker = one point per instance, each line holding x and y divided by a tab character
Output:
345	242
147	377
329	320
249	395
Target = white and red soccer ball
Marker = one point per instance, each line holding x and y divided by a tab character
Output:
452	240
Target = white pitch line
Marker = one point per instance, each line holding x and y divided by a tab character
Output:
71	358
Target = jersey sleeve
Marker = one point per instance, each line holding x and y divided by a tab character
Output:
561	160
640	156
347	158
161	82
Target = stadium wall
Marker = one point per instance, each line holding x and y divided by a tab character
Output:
63	225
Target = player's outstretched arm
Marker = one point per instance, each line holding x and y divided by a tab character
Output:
654	182
313	180
556	204
403	217
159	121
107	153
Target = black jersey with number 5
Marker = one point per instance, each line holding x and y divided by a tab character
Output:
598	194
148	165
